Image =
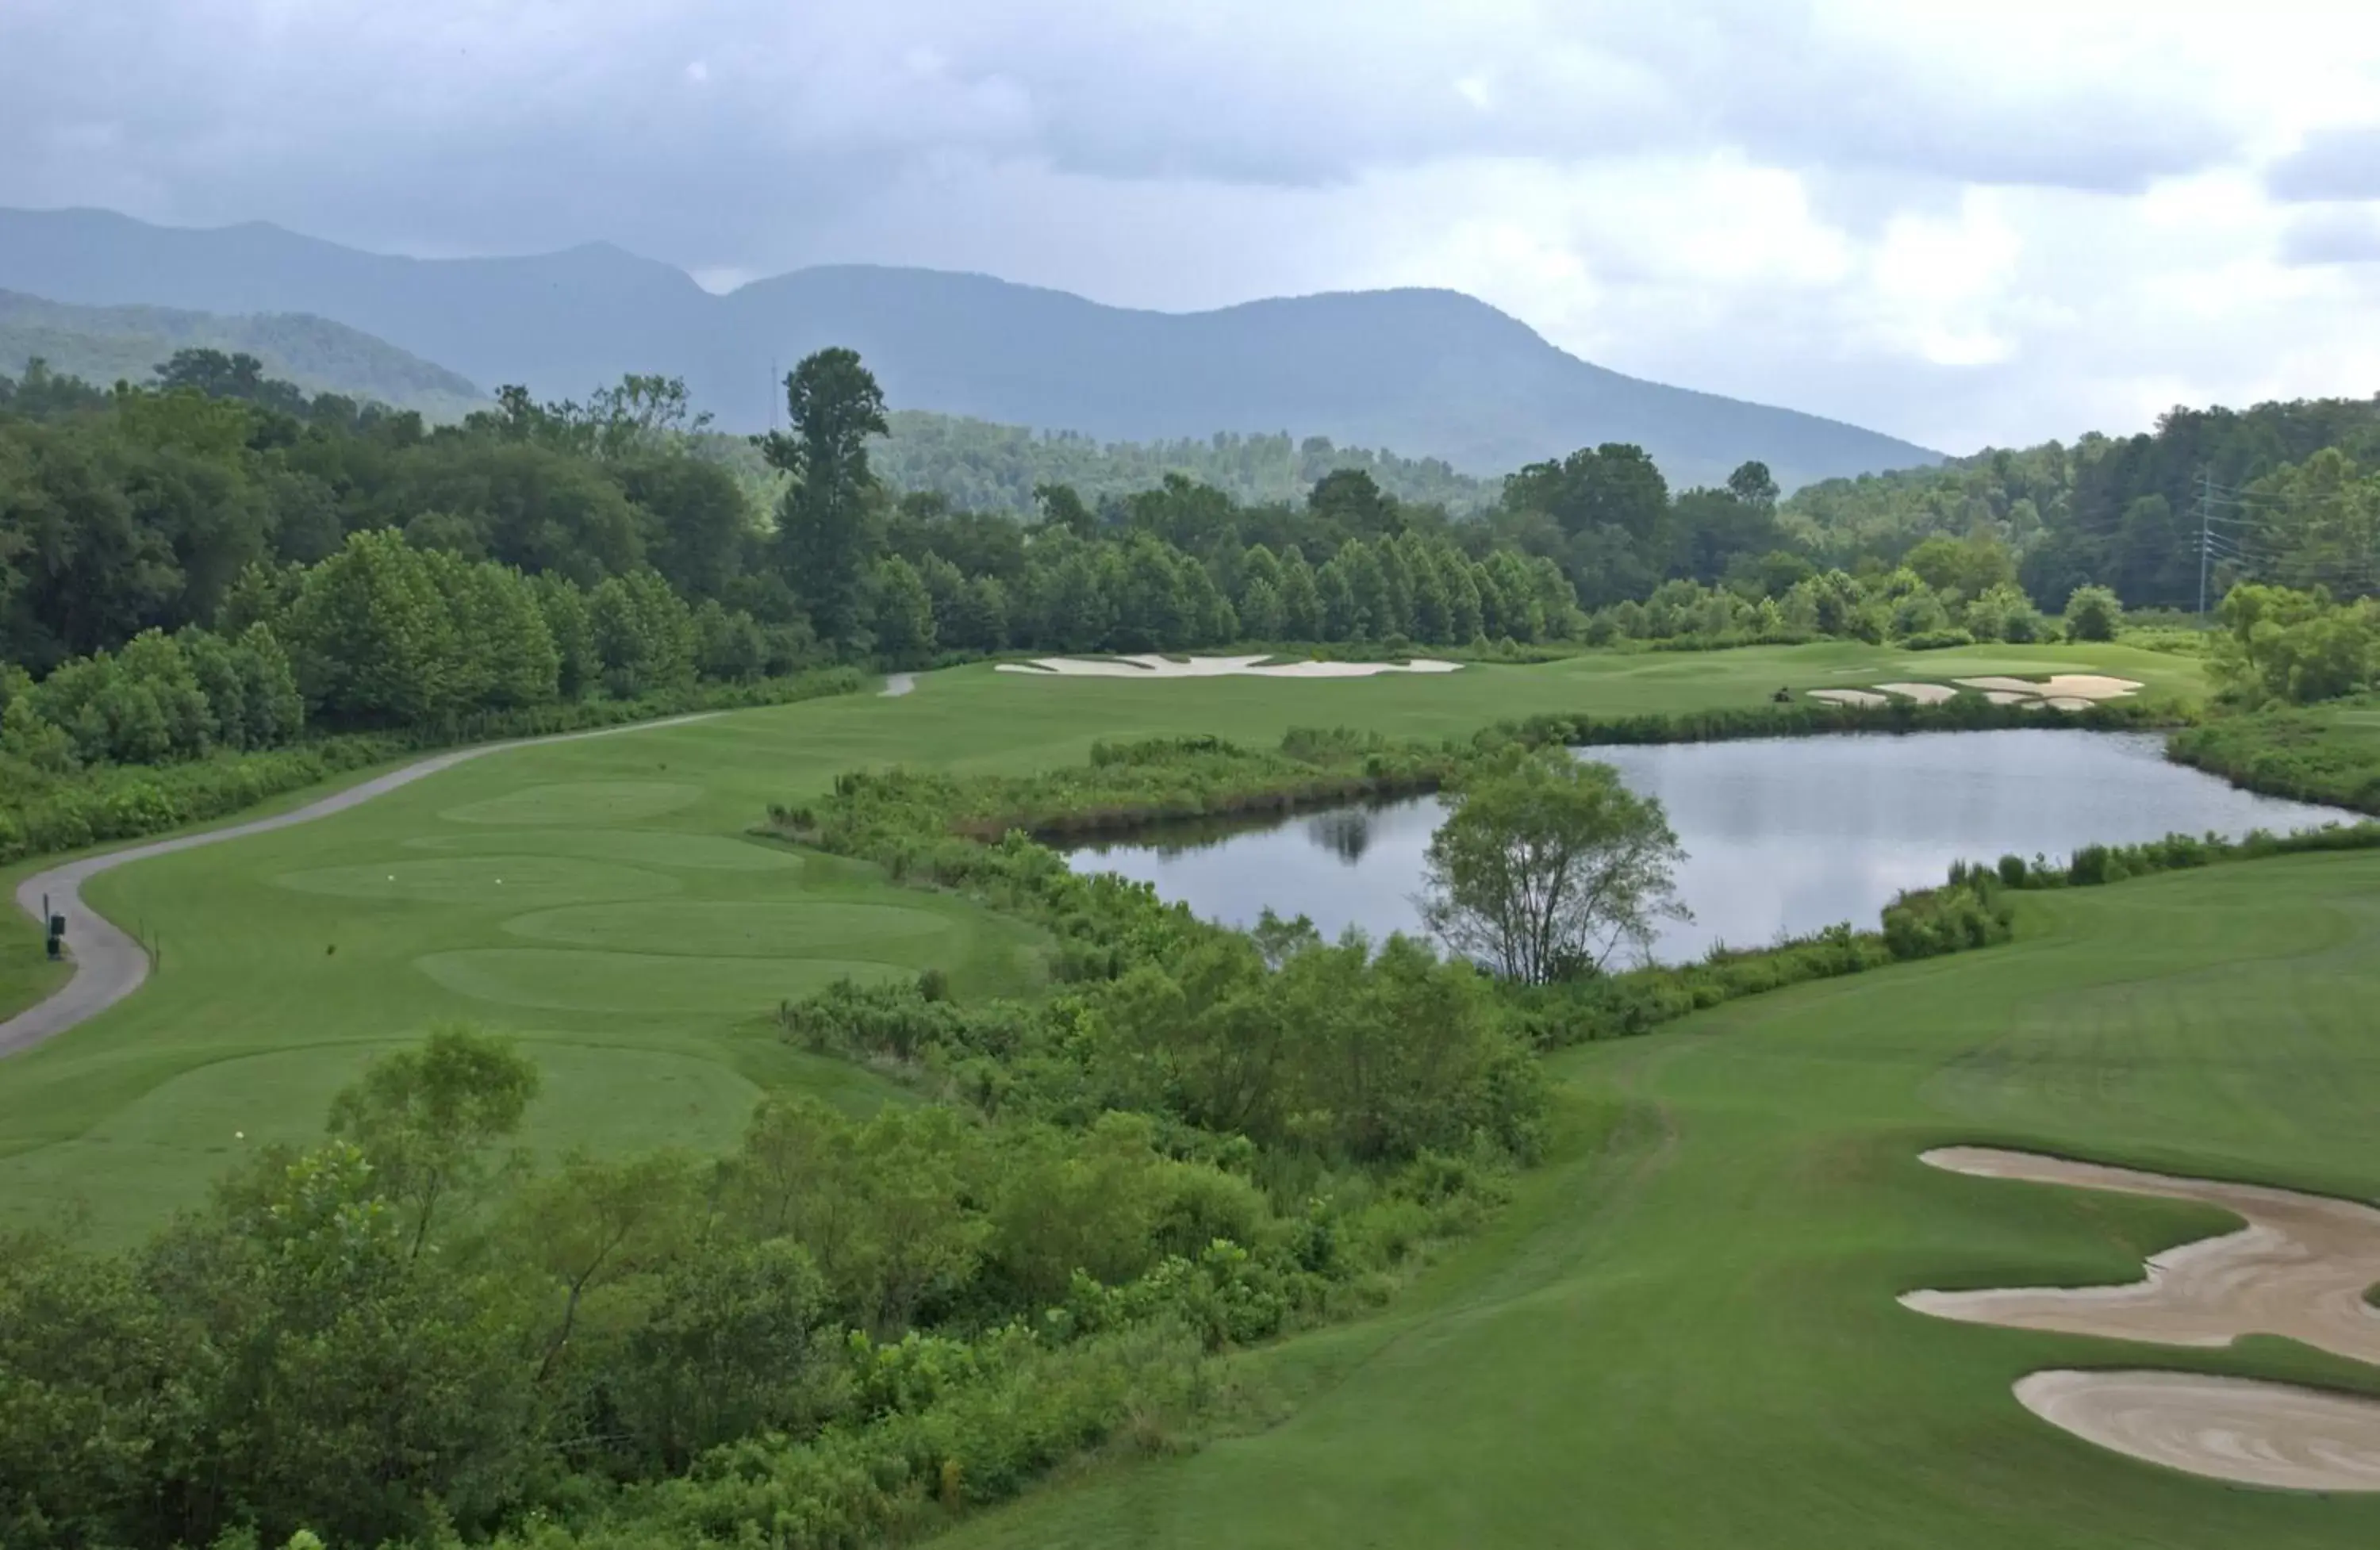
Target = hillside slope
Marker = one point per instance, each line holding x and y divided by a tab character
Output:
1426	373
106	344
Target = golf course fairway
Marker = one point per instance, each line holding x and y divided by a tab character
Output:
601	901
1684	1331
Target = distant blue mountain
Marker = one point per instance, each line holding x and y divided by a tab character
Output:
1422	372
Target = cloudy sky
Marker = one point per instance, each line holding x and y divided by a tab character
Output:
1960	223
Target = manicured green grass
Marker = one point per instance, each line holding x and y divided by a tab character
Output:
598	900
1685	1334
26	973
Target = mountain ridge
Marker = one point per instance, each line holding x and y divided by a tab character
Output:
105	345
1426	371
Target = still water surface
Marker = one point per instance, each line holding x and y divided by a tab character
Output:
1781	835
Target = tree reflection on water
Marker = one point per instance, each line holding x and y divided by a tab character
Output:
1346	834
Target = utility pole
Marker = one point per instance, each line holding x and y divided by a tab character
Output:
2205	534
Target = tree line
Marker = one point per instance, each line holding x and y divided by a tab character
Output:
2287	493
977	466
239	531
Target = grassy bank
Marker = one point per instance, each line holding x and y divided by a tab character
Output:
2320	753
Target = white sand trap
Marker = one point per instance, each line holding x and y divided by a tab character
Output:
2085	686
1849	696
2237	1429
1923	693
2069	702
1153	666
2299	1269
2088	685
2009	696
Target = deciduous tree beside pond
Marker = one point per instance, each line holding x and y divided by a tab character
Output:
1549	868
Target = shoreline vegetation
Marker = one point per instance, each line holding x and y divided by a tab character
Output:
1126	789
2327	753
981	835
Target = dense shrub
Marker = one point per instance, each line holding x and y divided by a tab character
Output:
2095	865
2290	647
2093	613
1807	717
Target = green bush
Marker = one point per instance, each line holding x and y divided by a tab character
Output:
2093	613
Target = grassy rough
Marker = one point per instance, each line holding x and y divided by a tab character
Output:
2321	752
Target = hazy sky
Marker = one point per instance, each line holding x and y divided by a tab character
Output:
1959	222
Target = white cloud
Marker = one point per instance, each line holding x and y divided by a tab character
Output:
1962	221
1940	283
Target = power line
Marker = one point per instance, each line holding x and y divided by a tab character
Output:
2206	533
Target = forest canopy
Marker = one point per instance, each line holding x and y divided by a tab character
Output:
219	562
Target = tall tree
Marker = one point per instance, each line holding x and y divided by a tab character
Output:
902	615
1350	496
823	535
1063	508
1752	484
1548	867
426	1118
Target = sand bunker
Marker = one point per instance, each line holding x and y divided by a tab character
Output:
2065	691
2089	687
1154	666
2299	1269
1923	693
2237	1429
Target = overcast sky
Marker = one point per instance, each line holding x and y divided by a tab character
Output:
1960	223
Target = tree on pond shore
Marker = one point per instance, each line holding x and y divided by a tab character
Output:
1549	866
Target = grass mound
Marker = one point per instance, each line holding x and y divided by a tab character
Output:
580	803
560	980
514	881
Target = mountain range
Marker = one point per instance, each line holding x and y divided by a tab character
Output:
106	345
1424	372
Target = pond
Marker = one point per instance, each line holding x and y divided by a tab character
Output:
1785	835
